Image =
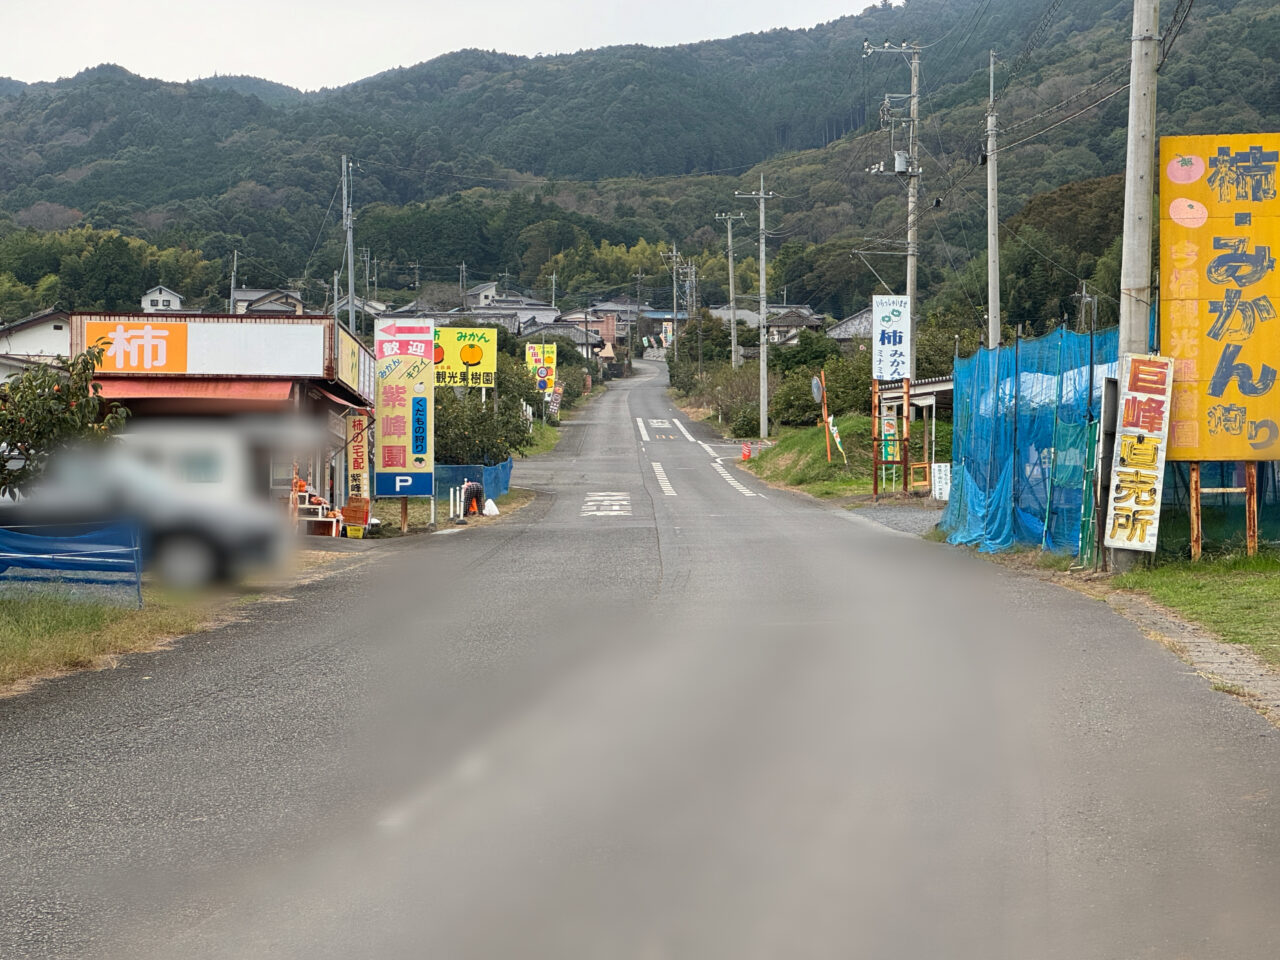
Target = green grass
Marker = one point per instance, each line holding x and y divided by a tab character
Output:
43	635
1236	597
799	457
545	438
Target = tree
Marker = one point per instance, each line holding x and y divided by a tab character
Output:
46	408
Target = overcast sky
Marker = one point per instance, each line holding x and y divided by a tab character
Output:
324	43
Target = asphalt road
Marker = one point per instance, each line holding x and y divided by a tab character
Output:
664	711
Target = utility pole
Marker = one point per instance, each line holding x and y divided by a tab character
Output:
993	218
764	310
734	359
1135	259
462	283
1135	262
908	166
635	322
675	302
336	318
235	263
348	222
553	290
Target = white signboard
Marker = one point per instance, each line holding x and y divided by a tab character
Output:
134	344
890	338
1142	439
941	477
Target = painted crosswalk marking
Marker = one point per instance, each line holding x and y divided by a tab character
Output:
663	482
644	434
607	503
732	481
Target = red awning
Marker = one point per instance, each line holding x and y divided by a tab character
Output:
194	388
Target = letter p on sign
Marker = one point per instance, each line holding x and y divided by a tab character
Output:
402	482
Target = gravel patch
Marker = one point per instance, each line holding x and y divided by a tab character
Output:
914	520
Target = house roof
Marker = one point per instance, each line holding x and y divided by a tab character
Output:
161	288
569	331
247	293
856	326
793	318
35	319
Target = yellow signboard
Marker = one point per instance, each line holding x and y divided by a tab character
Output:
1219	290
466	356
540	358
357	454
141	346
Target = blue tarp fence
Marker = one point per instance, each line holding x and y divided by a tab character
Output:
91	561
1021	452
495	479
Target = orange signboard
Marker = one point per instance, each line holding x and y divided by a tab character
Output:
1219	291
139	346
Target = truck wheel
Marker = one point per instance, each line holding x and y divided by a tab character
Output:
185	560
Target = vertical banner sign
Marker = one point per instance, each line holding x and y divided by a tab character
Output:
405	457
556	394
541	361
1219	292
1142	441
890	337
466	356
357	455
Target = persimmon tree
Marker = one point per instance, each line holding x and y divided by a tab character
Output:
47	407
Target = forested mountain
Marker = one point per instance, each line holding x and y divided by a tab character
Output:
501	160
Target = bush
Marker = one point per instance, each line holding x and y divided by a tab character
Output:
745	421
792	404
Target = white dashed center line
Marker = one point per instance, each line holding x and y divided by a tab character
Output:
732	481
663	482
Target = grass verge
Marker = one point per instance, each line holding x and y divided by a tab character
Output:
799	458
42	636
545	438
1236	597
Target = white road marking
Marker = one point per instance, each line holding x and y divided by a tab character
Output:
663	424
733	481
707	447
688	436
644	434
607	503
663	482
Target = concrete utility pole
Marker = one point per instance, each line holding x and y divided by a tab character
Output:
764	310
235	263
1135	262
348	222
1135	259
734	359
993	219
553	290
635	322
908	165
675	302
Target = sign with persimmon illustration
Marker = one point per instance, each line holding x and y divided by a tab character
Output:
1219	294
466	356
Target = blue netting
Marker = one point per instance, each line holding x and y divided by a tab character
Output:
496	480
89	562
1020	447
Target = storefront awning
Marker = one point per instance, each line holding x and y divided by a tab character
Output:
194	388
